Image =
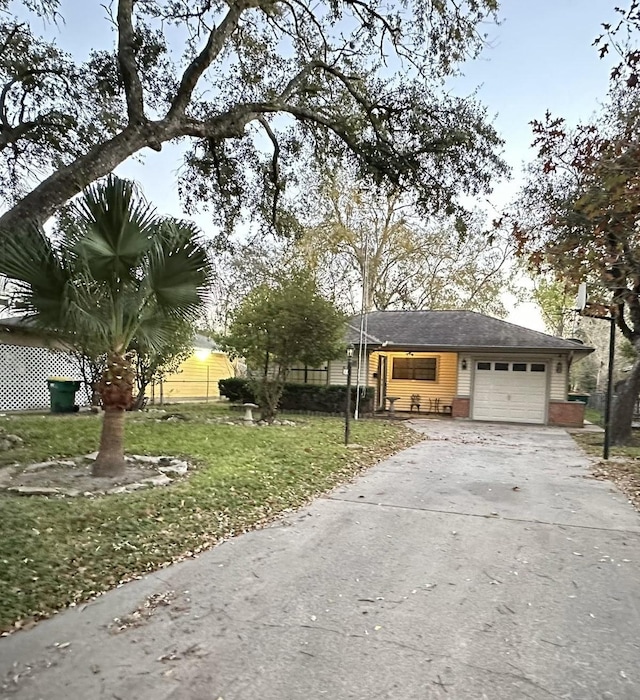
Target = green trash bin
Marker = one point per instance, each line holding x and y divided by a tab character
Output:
62	394
575	396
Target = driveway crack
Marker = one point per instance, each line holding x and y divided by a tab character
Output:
488	516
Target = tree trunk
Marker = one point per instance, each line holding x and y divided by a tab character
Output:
624	403
42	202
140	401
269	392
110	461
116	391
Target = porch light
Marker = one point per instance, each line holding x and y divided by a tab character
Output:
464	363
559	368
202	353
347	410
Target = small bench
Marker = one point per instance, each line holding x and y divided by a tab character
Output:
444	408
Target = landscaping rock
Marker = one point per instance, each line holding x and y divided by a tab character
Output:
177	467
34	491
128	488
50	463
72	477
145	459
159	480
9	441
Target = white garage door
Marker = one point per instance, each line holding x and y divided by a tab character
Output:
510	391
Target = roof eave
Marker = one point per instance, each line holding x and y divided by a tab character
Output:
391	347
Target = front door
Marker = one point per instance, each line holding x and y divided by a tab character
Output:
381	392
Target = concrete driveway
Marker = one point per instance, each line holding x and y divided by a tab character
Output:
480	563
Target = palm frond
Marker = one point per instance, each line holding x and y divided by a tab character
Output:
178	270
39	275
114	227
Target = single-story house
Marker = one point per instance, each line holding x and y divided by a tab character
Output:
471	365
197	377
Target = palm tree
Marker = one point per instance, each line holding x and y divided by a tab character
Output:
115	272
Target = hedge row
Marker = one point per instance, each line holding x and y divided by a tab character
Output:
300	397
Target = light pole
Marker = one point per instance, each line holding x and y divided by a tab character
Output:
347	413
607	406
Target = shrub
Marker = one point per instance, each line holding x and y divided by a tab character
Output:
236	389
300	397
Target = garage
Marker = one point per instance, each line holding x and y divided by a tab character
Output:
507	390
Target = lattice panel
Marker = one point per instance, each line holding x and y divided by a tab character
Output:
23	376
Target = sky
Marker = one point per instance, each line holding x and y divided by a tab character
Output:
540	57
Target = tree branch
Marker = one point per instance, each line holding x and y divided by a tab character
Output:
127	63
275	179
215	43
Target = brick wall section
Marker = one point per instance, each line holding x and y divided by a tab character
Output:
567	414
460	407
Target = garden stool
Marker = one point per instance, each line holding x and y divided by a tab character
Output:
392	409
248	415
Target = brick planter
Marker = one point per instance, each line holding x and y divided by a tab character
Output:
567	414
460	407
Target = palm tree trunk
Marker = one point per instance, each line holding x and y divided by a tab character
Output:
116	391
110	461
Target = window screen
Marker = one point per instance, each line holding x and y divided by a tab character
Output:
415	368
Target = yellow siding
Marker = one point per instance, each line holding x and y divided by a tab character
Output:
444	388
197	378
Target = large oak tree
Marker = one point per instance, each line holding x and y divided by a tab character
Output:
255	87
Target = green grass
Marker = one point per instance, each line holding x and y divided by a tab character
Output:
55	551
594	416
593	444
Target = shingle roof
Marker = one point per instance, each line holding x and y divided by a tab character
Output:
23	323
460	330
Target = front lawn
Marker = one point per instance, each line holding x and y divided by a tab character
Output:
58	551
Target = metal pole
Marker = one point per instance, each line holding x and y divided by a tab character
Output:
347	414
607	406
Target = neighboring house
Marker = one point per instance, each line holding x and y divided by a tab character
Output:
28	356
197	377
473	365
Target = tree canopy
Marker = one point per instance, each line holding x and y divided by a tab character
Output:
373	250
280	324
579	212
256	87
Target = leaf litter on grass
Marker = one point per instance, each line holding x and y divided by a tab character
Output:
245	480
